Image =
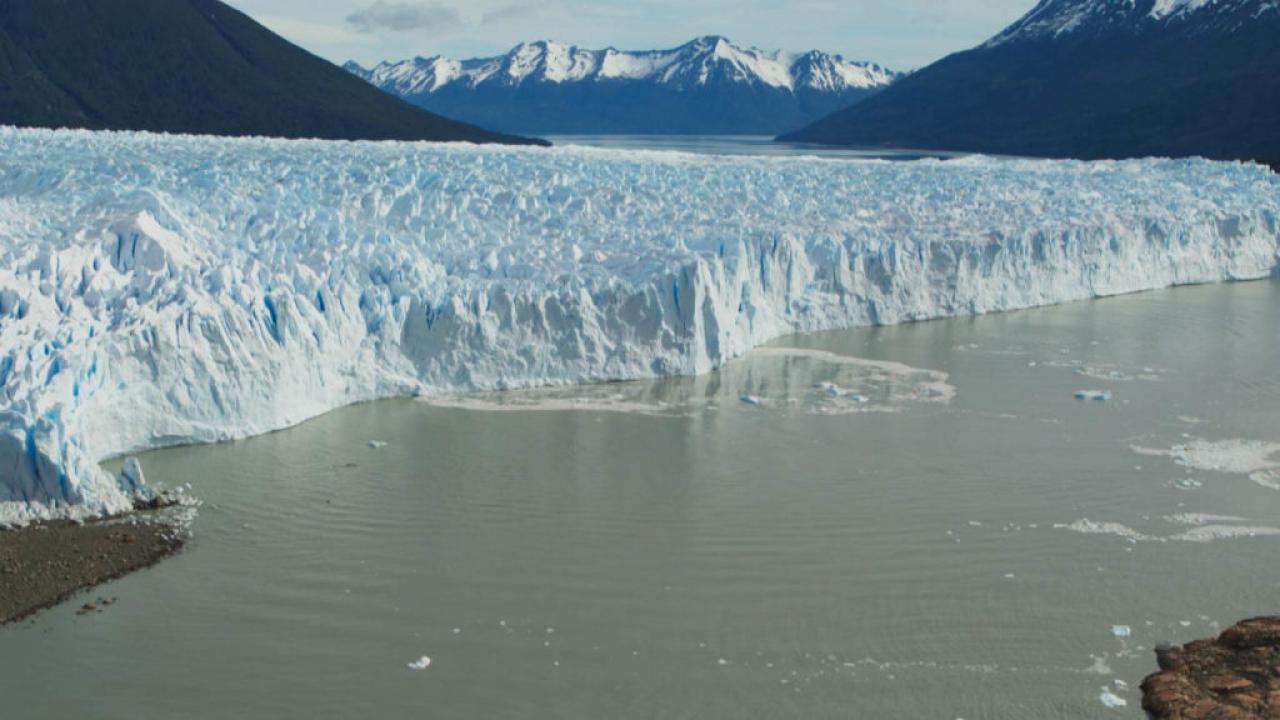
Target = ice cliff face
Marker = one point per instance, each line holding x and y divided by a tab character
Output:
161	290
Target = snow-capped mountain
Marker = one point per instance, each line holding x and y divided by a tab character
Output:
708	85
1092	79
1066	18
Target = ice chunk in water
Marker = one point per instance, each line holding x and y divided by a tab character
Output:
1235	456
421	663
1112	700
1269	479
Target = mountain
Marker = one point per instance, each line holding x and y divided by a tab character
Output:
1092	79
187	66
707	86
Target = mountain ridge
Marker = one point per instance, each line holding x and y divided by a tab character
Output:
706	85
1091	79
93	64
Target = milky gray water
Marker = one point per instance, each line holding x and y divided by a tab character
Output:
881	523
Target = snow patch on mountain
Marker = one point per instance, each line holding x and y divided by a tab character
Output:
694	64
159	290
1059	18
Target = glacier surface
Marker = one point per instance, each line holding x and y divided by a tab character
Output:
159	290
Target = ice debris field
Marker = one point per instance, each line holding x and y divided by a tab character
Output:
159	290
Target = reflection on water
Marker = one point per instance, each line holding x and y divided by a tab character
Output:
912	521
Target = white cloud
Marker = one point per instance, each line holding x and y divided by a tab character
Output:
901	34
402	16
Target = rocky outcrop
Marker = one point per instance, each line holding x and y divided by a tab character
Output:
1235	677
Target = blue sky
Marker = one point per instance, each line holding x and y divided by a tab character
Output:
902	34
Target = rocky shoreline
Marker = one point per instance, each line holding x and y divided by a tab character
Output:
48	563
1233	677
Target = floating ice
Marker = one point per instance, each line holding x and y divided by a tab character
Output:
1091	527
776	378
377	444
1269	479
1098	395
421	663
1112	700
1121	631
1111	373
1204	533
1202	519
882	386
1209	533
830	389
1234	456
159	290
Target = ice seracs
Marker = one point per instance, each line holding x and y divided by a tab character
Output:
163	290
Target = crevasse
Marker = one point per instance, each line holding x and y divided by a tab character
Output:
159	290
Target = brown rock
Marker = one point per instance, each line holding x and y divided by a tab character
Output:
1235	677
1169	657
1203	710
1250	701
1228	684
1167	698
1253	633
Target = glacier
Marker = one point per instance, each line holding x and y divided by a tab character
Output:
161	290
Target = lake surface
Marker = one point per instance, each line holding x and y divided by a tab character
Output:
887	522
741	145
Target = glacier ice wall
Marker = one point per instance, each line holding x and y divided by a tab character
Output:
161	290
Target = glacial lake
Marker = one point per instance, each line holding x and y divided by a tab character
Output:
741	145
919	521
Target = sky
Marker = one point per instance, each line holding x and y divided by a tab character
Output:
900	34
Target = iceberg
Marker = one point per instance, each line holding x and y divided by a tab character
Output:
162	290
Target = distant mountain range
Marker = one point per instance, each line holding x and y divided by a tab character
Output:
1092	79
707	86
187	66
